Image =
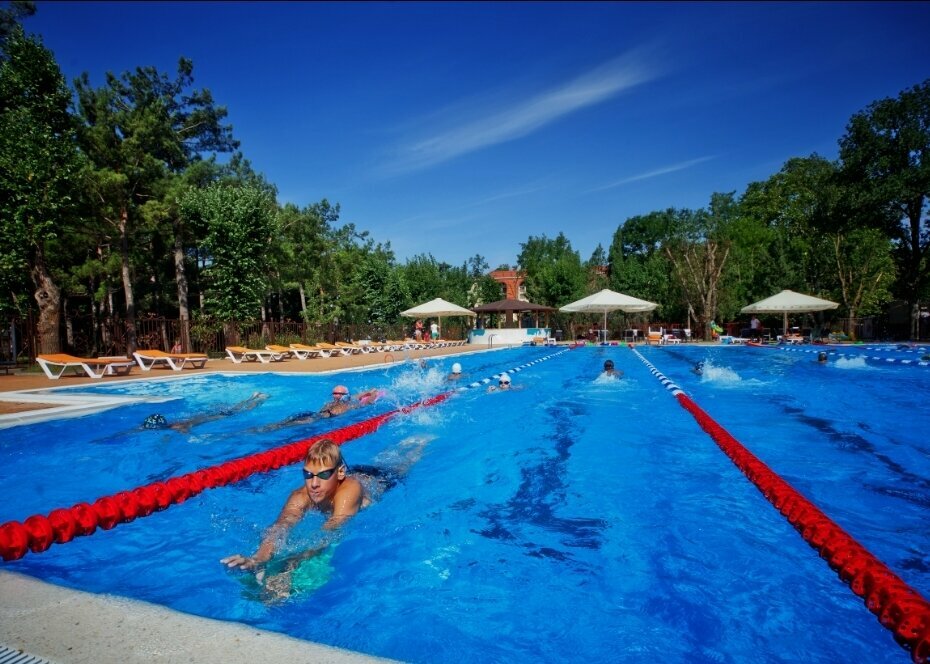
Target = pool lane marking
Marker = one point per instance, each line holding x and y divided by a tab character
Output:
832	351
899	607
485	381
38	532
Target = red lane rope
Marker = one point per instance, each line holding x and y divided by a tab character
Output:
899	607
37	533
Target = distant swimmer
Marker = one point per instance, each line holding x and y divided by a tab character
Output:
341	403
456	372
159	421
504	384
821	358
610	371
698	368
332	489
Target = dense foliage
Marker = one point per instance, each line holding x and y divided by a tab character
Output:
112	201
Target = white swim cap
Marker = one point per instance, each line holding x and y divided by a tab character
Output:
456	368
505	378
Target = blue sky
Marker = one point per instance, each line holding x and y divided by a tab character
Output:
459	129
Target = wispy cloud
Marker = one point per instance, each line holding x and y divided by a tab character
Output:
493	125
665	170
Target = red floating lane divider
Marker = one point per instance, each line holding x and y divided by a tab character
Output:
37	533
899	607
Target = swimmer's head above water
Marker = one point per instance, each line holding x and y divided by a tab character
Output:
155	421
324	469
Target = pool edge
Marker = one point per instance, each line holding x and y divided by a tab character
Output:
65	625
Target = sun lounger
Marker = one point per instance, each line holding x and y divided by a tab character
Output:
727	339
288	352
333	349
95	367
352	348
149	359
309	351
239	354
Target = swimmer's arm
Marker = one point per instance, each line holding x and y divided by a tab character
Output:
291	513
346	504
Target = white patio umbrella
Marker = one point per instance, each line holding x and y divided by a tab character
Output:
438	308
789	302
606	301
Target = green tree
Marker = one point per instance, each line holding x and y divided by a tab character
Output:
39	173
885	156
554	274
239	223
698	249
138	129
637	264
797	205
11	18
596	271
865	270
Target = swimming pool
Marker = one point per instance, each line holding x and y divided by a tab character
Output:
574	518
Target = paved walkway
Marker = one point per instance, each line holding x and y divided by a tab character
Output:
36	380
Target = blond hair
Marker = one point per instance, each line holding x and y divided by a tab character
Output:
325	451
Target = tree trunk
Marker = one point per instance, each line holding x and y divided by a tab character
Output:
915	209
69	325
94	317
184	313
48	297
303	302
130	323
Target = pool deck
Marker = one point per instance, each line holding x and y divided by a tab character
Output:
74	627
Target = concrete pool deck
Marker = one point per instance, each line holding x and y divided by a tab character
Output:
76	627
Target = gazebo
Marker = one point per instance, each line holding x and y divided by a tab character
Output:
511	307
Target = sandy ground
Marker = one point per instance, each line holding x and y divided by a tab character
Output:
35	379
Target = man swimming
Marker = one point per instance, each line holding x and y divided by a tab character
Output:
159	421
331	489
610	371
456	372
341	403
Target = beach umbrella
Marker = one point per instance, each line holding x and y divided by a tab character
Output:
789	302
606	301
438	308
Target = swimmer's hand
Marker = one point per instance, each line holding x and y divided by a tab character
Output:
239	561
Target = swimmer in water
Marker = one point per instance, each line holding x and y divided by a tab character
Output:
159	421
456	373
332	489
503	384
341	403
610	371
821	358
698	368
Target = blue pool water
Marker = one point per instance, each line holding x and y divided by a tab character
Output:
575	518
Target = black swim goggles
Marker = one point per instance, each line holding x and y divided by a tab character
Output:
323	474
